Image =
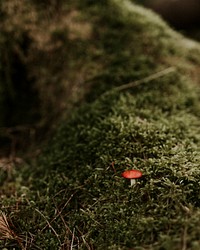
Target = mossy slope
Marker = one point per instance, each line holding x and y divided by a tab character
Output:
74	196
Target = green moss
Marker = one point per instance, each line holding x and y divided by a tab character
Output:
74	194
106	51
80	172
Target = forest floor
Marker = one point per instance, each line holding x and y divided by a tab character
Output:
123	89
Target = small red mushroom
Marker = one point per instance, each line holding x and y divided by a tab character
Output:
132	175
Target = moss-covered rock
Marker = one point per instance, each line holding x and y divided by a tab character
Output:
141	111
69	42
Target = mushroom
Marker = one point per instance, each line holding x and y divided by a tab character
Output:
132	175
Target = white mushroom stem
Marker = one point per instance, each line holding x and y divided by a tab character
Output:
133	181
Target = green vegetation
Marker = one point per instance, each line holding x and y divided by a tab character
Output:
137	106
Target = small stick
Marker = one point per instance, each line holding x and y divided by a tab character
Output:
49	225
72	242
146	79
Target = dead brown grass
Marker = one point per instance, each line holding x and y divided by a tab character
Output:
5	231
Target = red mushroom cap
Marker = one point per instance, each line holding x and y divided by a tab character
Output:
132	174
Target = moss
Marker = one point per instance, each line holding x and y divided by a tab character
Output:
104	57
79	175
74	195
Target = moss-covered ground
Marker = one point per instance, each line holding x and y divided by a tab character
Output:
141	110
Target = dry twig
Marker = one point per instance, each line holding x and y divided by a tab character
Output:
147	79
